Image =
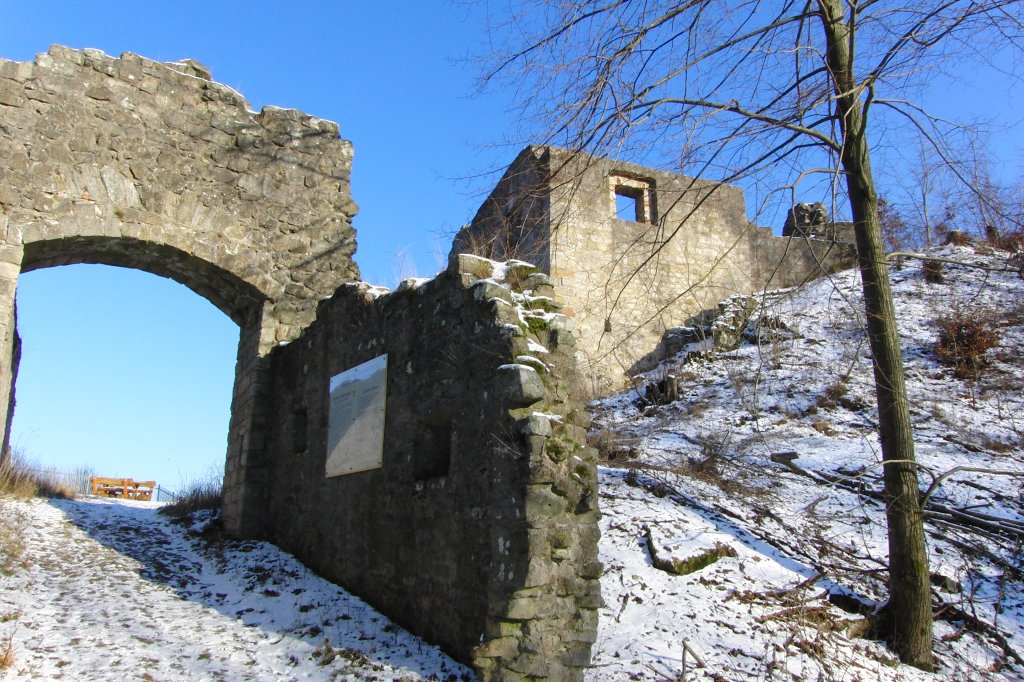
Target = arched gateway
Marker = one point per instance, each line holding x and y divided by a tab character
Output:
154	166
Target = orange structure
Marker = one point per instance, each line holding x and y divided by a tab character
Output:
122	487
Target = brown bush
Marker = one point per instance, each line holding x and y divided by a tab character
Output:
964	336
932	270
16	481
958	238
20	477
1012	241
612	447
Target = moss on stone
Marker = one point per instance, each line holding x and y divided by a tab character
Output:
532	362
556	450
518	273
535	324
690	564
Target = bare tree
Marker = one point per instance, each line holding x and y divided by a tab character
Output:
984	206
769	90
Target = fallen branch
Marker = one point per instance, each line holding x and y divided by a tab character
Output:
937	480
951	261
930	508
951	612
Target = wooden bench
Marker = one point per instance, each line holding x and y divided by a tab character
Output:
122	487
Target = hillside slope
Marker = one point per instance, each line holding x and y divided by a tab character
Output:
769	458
740	521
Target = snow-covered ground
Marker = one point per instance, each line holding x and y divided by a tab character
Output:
110	590
769	462
712	468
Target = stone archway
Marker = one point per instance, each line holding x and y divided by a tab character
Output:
126	161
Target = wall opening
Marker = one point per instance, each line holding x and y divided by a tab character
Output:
433	454
123	371
628	205
633	198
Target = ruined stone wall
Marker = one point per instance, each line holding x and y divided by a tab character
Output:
479	531
627	281
126	161
514	221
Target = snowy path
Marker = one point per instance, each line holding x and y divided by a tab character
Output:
112	590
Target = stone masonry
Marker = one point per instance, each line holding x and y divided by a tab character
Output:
479	531
154	166
683	246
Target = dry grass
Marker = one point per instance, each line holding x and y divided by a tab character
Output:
932	270
16	480
7	649
12	539
7	654
21	478
204	493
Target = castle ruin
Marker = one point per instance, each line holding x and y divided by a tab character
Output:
425	448
636	251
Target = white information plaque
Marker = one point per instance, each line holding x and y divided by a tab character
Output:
355	433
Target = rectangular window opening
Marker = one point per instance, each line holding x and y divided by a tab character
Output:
627	207
633	199
433	443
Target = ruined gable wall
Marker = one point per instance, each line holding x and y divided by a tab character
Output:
514	220
628	281
489	550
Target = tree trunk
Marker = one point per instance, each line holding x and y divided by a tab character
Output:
909	585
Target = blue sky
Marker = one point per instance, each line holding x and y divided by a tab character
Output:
130	373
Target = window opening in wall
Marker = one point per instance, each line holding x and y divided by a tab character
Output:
627	207
433	455
633	199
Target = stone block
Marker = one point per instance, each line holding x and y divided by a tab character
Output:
537	424
485	290
542	504
10	95
521	385
500	647
16	71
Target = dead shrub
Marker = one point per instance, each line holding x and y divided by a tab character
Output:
823	427
20	478
830	398
55	488
7	653
611	447
932	270
205	493
964	337
714	450
958	238
1011	241
16	480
